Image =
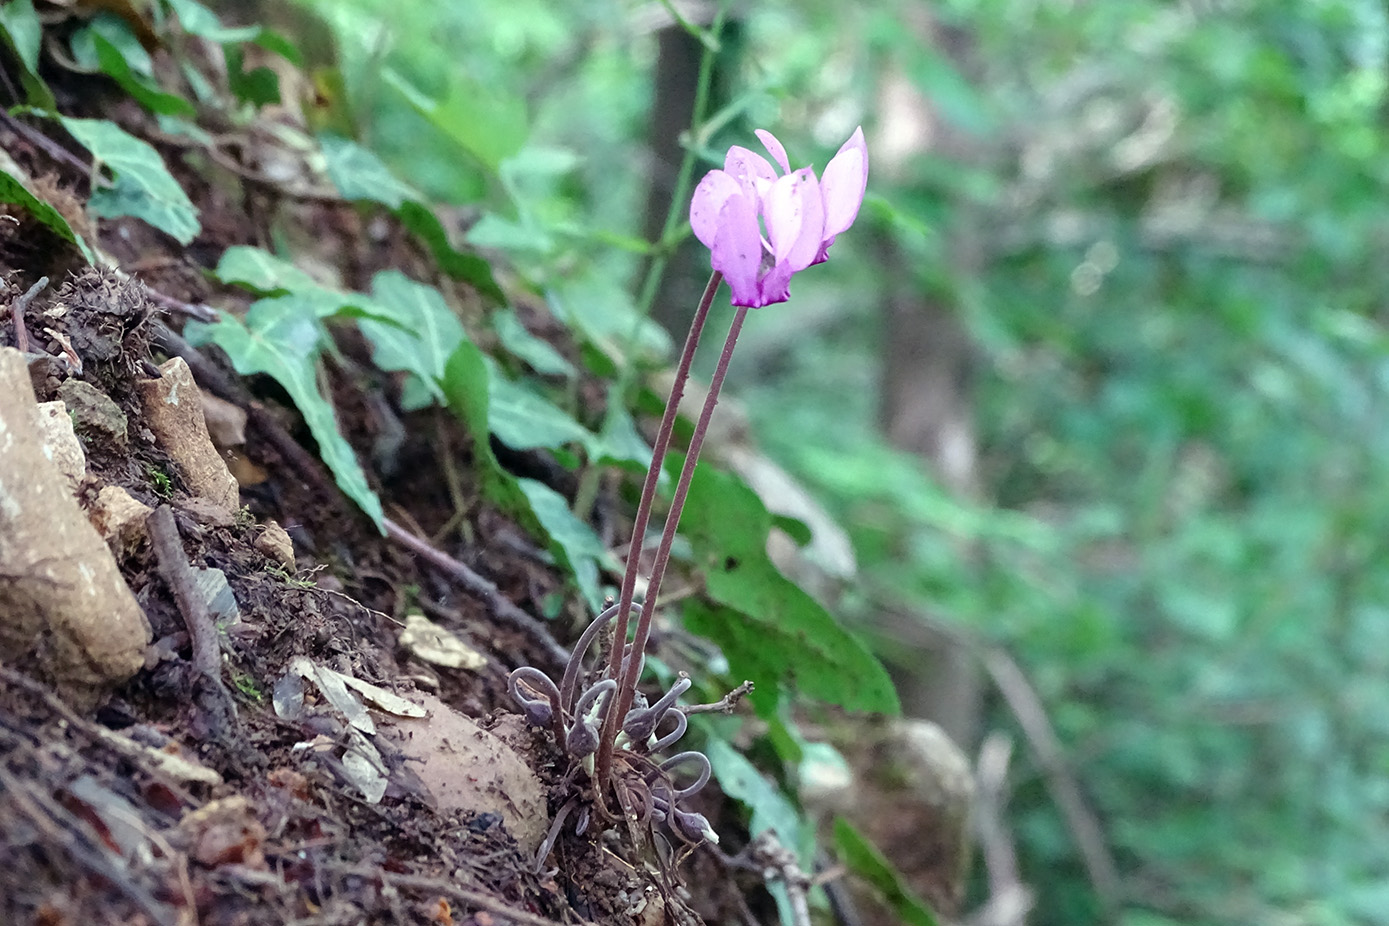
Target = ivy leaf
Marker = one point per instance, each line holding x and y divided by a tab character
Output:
426	332
619	443
282	337
12	191
523	419
467	384
769	629
771	809
469	268
266	274
572	540
113	48
537	353
261	271
23	33
864	859
143	187
359	174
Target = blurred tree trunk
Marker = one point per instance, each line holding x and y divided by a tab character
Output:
672	109
926	395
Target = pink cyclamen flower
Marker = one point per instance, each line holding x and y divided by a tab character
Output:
801	215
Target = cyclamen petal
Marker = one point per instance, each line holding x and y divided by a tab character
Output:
774	148
737	249
846	180
708	201
749	168
795	215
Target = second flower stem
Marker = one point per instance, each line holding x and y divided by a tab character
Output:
627	683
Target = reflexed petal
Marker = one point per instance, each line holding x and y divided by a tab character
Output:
776	285
778	153
795	215
749	168
737	248
846	180
707	203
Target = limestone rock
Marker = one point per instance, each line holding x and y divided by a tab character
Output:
119	518
60	443
174	412
65	611
274	542
94	411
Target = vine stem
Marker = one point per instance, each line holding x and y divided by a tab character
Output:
627	683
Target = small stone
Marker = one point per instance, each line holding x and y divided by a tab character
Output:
274	542
174	412
226	423
119	518
93	411
60	443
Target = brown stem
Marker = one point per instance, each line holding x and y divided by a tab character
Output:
627	685
653	475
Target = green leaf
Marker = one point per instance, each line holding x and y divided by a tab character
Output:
261	271
771	809
603	313
466	267
864	859
572	540
266	274
524	420
488	125
466	387
282	337
198	20
259	86
143	187
619	443
769	629
23	33
359	174
12	191
118	53
426	331
536	352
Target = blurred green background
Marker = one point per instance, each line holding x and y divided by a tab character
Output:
1097	380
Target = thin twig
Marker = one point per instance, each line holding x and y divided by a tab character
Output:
439	885
479	587
203	313
1009	899
177	573
724	705
1027	707
169	768
17	308
51	147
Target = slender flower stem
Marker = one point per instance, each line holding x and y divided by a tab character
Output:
653	474
627	685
